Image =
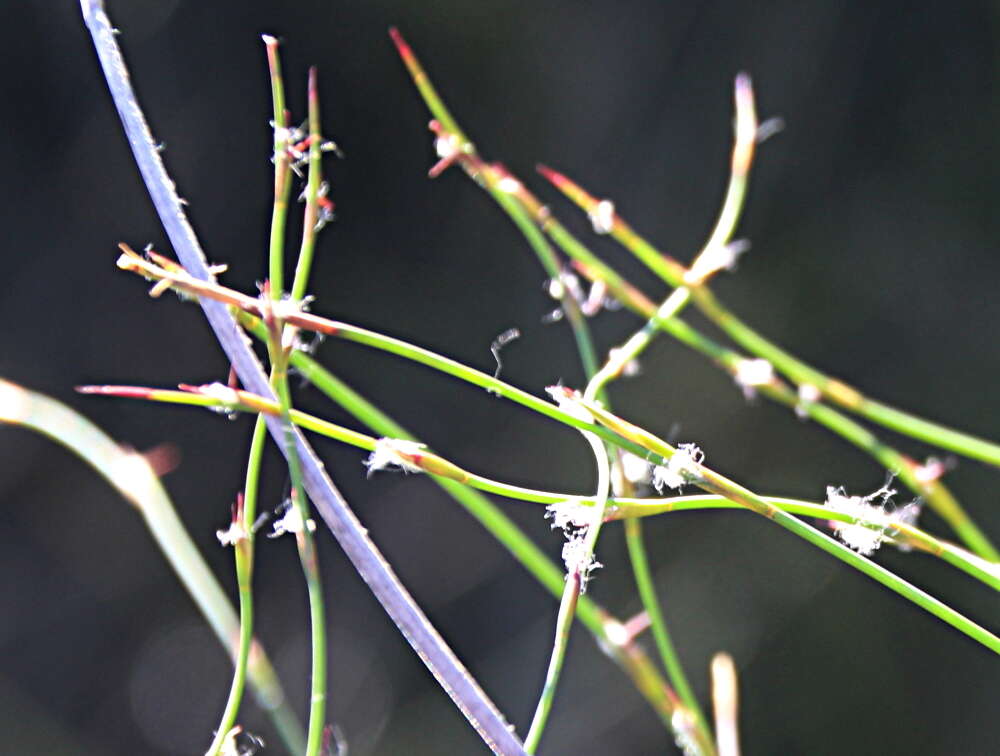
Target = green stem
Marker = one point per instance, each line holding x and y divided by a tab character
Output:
665	319
489	177
358	335
658	624
934	492
427	91
132	477
304	542
578	567
630	658
712	482
620	507
626	441
306	547
638	342
282	171
833	389
243	550
311	216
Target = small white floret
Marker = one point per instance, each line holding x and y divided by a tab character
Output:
602	217
683	725
221	392
680	469
292	522
873	521
808	394
447	146
636	469
394	453
716	258
578	559
569	515
509	184
753	373
231	536
569	402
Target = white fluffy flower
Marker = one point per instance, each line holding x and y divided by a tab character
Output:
636	469
392	453
753	373
714	259
574	519
680	468
602	217
808	394
569	515
569	402
874	522
231	536
447	146
291	522
579	559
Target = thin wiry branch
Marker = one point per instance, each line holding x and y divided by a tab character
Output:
411	621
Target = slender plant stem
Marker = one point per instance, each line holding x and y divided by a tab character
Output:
427	91
278	352
251	309
501	186
310	222
243	548
619	508
932	490
661	635
282	171
605	629
490	177
838	392
474	704
713	482
244	567
666	319
514	199
310	566
545	254
130	474
579	563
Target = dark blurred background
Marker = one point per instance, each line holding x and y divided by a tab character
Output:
874	236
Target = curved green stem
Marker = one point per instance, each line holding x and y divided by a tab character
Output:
606	630
619	508
665	319
838	392
713	482
132	477
579	563
278	353
933	491
620	432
